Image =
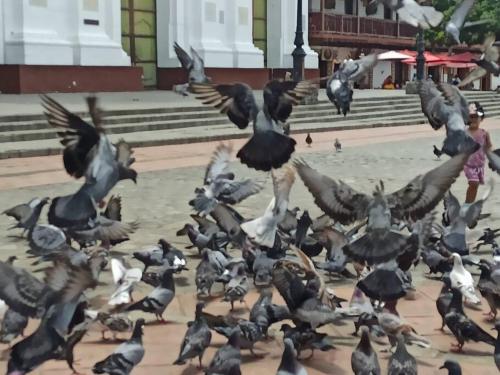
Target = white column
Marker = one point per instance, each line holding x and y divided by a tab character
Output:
239	25
170	28
281	24
2	41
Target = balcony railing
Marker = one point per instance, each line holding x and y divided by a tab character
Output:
347	24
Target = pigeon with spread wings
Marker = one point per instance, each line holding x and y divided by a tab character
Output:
195	67
88	152
410	12
457	19
488	62
268	147
380	242
444	104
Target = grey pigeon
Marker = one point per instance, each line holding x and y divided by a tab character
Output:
237	288
364	359
402	362
226	357
46	240
125	357
289	364
488	238
219	184
463	328
205	225
289	222
214	241
229	220
436	262
410	12
264	312
194	66
88	152
13	325
453	367
157	301
27	214
487	63
305	338
153	256
489	289
107	322
338	88
207	272
262	269
444	104
384	283
380	242
457	19
175	257
250	333
269	147
196	340
444	299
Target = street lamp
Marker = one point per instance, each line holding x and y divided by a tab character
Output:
420	55
298	53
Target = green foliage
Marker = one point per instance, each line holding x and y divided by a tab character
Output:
482	10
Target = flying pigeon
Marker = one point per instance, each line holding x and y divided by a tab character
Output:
126	356
410	12
124	279
200	240
263	229
488	62
194	66
488	238
219	184
380	242
457	19
444	104
26	214
269	147
364	359
289	364
262	269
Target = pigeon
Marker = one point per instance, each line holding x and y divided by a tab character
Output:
268	147
444	104
214	241
463	328
159	298
384	282
124	279
226	357
13	325
457	20
46	240
108	322
453	367
289	223
489	289
262	269
380	242
250	333
410	12
264	313
436	262
175	257
194	66
370	320
460	217
496	354
126	356
229	220
393	326
237	287
219	184
364	359
153	256
289	364
207	272
56	303
338	145
205	225
88	152
402	362
303	224
338	87
196	340
487	63
309	140
444	299
462	280
437	152
488	238
263	229
305	338
26	214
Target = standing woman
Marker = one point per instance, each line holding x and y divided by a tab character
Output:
474	168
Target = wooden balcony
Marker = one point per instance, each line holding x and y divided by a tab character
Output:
346	28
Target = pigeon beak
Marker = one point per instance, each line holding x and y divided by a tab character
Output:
442	367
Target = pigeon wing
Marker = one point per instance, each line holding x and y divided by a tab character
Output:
472	76
337	199
236	101
474	210
19	212
458	16
424	192
241	190
124	153
219	163
114	208
185	60
289	286
281	96
283	180
451	206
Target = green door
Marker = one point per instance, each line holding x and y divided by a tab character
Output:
260	25
139	36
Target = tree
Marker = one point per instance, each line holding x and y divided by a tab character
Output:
482	10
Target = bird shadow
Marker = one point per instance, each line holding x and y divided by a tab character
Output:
16	237
249	357
323	366
182	281
117	253
159	323
191	370
103	342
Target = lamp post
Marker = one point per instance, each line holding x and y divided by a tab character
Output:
420	55
298	53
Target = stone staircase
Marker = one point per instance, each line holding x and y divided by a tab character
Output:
30	135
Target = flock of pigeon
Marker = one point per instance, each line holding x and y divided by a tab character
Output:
381	235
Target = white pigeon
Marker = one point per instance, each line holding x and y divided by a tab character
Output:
462	279
263	229
124	278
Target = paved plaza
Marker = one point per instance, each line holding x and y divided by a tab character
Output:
168	175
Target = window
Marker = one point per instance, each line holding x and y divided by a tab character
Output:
329	4
349	6
387	13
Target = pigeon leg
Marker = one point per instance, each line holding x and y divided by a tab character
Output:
491	315
232	305
104	336
312	354
200	366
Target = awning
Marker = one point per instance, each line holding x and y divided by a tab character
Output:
393	55
430	59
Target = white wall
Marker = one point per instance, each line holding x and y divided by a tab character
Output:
52	32
495	82
380	73
281	24
219	30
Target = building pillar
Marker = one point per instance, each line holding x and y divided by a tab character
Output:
281	23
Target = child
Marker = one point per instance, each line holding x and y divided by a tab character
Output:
474	168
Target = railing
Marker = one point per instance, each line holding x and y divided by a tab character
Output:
347	24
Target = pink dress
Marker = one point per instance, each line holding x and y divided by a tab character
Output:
474	168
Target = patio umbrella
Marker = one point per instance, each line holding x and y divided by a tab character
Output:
393	55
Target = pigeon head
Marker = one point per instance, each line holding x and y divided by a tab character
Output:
11	259
446	280
285	328
184	230
364	342
199	308
164	245
379	214
44	201
452	367
138	328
